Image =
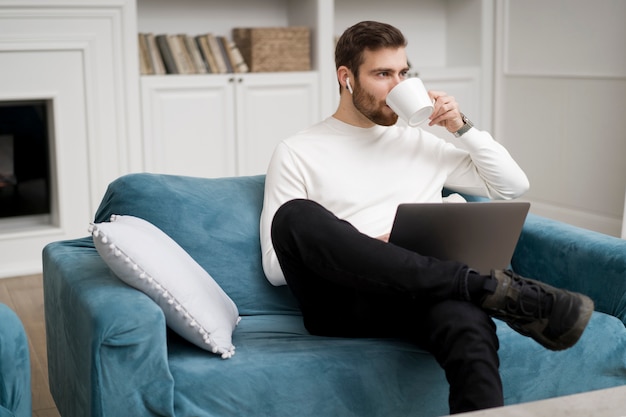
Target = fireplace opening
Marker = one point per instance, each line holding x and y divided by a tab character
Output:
24	160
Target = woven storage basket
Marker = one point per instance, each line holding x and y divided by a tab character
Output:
275	49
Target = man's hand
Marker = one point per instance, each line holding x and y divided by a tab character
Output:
446	112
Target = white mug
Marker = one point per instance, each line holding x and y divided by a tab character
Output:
410	100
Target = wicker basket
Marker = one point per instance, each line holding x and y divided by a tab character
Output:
275	49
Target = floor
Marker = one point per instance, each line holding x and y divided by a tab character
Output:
25	296
610	402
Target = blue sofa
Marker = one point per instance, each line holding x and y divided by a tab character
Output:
15	391
111	354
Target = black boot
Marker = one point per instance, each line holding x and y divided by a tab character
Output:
555	318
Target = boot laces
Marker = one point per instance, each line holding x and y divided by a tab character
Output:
532	300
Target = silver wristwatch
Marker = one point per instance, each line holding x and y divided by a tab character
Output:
467	125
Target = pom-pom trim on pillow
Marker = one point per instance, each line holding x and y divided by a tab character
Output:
209	331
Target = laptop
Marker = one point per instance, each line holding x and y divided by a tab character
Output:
482	235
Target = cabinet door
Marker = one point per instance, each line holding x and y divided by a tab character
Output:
188	124
270	108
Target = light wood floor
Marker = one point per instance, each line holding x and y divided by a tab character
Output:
24	295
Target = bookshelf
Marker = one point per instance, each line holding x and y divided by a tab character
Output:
225	124
450	47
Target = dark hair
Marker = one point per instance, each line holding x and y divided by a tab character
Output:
367	35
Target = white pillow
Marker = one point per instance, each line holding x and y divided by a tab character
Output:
145	258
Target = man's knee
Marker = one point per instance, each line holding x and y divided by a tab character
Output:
291	217
296	208
296	213
290	213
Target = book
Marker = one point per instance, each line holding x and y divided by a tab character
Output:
181	55
145	63
155	55
236	59
228	52
217	53
167	54
196	56
223	45
205	50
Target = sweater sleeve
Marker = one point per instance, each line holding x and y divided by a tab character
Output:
496	173
282	183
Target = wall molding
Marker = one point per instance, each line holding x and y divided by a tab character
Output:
563	76
570	46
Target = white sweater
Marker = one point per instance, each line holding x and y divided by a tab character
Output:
362	174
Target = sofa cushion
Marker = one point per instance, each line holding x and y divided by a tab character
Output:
146	258
223	236
280	370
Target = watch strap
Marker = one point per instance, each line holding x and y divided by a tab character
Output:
467	125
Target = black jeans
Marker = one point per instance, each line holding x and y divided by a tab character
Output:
351	285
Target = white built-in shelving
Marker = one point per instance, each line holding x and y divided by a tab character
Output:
232	122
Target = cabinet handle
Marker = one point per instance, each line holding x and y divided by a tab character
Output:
231	80
240	80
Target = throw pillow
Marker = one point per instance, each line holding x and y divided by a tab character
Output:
144	257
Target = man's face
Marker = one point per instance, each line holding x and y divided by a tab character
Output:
380	71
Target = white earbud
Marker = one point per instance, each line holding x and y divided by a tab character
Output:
348	86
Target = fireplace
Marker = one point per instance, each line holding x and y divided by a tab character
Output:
25	190
69	119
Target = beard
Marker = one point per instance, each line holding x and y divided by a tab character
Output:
371	108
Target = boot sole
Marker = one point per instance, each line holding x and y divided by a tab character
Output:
567	339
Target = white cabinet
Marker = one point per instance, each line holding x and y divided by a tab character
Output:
222	125
189	125
269	108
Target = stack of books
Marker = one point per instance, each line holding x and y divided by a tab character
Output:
185	54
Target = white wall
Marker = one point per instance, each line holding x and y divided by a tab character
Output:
560	105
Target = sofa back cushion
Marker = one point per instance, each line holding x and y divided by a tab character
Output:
216	221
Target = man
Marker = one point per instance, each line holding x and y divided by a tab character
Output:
330	198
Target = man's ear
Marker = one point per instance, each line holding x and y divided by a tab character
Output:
343	76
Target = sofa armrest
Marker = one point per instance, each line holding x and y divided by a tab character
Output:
15	392
106	341
574	258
